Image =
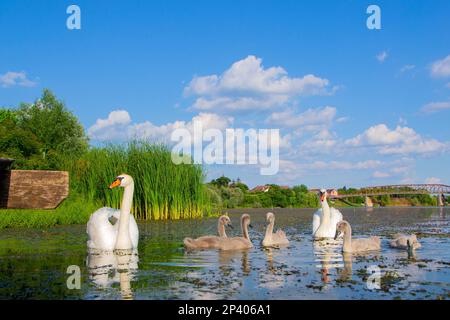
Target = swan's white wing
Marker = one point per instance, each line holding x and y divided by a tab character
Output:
336	216
317	216
102	234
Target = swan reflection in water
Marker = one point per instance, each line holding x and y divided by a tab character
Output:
226	257
109	267
273	278
328	253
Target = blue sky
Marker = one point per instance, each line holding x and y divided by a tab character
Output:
354	107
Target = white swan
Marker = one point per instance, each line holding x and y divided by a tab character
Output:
112	229
238	243
325	219
273	239
356	245
209	242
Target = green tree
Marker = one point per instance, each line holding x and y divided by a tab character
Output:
7	114
56	128
221	182
16	142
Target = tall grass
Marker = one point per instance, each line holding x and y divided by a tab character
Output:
162	191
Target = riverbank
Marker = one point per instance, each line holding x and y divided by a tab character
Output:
74	210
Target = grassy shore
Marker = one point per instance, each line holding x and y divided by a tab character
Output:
162	191
74	210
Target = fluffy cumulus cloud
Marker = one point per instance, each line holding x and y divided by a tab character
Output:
401	140
248	85
12	79
441	68
434	107
311	119
118	126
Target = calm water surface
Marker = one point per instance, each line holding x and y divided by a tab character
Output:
33	263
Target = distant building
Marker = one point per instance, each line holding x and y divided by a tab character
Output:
266	188
331	192
260	189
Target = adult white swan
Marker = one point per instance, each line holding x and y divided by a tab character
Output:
112	229
325	219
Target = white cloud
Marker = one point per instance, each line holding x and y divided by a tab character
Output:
247	85
433	107
441	68
119	127
433	180
344	165
406	68
316	118
380	175
11	79
401	140
382	56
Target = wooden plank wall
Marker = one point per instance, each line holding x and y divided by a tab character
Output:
33	189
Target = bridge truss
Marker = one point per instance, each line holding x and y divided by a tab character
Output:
398	189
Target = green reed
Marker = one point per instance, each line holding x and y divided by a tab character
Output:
163	190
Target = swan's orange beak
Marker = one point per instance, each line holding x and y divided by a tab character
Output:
322	197
116	183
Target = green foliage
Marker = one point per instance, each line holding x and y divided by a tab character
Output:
237	194
38	134
7	114
163	190
55	126
221	182
74	210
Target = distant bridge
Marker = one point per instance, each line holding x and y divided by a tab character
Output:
399	189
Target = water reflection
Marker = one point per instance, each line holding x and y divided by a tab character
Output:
109	267
328	253
227	257
345	274
273	277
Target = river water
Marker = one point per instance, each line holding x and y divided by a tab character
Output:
34	263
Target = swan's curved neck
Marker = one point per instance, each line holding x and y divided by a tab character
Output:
347	246
269	230
244	227
326	211
123	241
221	229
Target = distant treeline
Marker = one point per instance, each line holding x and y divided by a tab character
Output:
224	193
